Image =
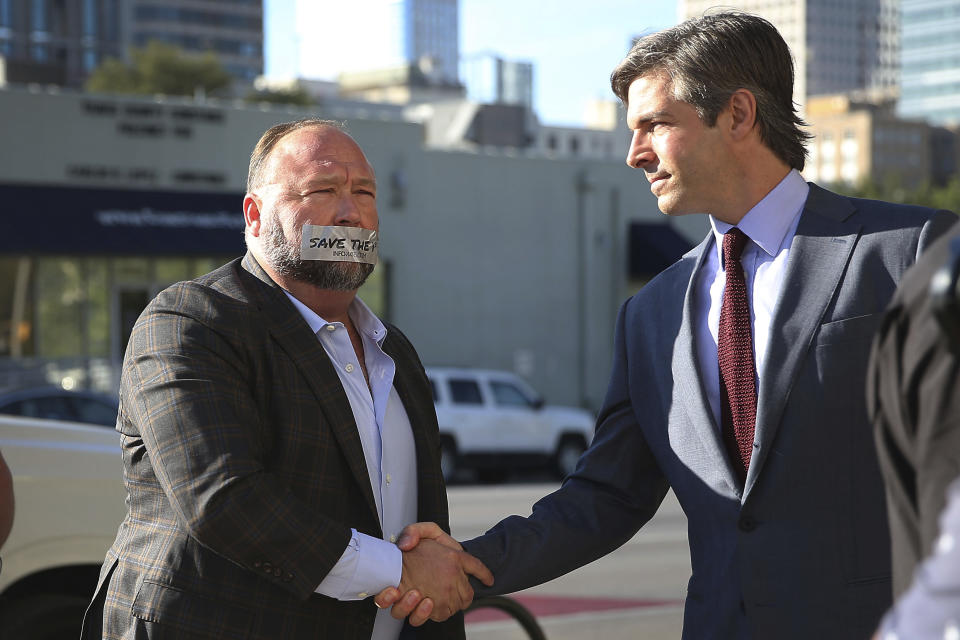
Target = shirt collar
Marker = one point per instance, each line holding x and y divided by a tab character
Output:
365	321
768	222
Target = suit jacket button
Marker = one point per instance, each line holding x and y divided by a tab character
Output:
747	523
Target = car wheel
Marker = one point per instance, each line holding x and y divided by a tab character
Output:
448	459
568	453
43	617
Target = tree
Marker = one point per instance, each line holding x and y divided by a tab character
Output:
890	189
296	96
160	68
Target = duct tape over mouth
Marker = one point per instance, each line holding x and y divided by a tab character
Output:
339	244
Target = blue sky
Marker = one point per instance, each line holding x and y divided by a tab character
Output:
574	44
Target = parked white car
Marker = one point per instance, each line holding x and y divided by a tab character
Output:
68	488
493	420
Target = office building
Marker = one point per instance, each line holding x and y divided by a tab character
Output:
490	79
61	41
58	43
858	137
837	45
231	29
930	68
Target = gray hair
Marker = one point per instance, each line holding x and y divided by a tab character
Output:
709	58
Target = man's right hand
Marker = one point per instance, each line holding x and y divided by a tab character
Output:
434	582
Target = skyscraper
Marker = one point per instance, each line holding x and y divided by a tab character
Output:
492	80
838	45
58	42
363	35
233	30
62	41
930	70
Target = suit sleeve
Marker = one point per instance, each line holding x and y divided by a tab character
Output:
187	392
616	489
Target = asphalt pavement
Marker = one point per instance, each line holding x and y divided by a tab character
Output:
635	592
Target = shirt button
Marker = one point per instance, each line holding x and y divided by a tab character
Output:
331	327
349	368
389	479
393	539
362	594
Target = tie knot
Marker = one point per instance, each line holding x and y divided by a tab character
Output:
734	242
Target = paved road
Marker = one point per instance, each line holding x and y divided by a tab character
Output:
635	592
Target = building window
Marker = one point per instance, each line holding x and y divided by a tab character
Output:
89	18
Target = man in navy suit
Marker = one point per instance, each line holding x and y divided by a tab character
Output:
738	372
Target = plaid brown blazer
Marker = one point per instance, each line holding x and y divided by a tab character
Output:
244	471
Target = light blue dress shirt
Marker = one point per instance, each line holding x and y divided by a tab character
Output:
770	225
369	565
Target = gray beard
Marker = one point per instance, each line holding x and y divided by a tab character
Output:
284	258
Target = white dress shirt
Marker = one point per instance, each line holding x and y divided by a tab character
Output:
770	225
369	565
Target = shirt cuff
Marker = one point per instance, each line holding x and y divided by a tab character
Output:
367	566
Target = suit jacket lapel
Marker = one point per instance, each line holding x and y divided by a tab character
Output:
295	338
819	255
686	375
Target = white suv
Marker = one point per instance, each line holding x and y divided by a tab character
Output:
493	420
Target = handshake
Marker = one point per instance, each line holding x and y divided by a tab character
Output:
434	583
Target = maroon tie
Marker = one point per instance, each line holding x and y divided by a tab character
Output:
738	391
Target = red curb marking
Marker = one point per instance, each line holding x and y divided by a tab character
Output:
545	606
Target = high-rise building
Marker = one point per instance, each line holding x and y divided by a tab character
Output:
930	69
231	29
492	80
57	42
62	41
837	45
390	33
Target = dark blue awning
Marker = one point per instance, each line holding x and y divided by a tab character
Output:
73	220
654	247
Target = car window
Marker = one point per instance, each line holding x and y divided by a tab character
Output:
48	408
465	391
508	395
94	411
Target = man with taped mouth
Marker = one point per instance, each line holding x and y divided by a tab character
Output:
276	435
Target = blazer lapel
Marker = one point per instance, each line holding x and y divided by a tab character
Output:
686	375
295	338
819	255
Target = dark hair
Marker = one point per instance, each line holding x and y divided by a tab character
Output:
709	58
272	136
